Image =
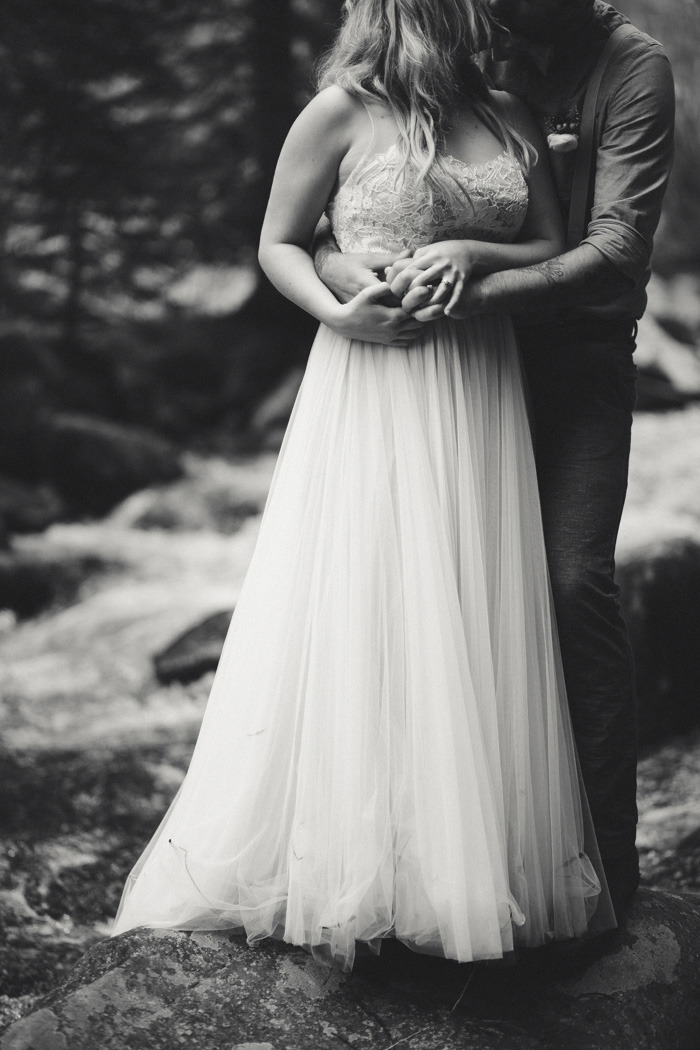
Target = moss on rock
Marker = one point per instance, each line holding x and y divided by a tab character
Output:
164	989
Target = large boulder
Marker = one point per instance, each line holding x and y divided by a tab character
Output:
659	577
95	464
194	652
160	990
214	495
669	369
30	585
28	508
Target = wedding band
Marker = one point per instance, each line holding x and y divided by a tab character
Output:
448	284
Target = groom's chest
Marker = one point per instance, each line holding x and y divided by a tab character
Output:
555	98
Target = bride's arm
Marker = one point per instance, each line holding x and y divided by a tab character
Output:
541	236
304	180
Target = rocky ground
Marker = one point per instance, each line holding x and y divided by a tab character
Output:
162	989
94	746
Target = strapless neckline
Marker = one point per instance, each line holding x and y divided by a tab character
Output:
365	162
376	211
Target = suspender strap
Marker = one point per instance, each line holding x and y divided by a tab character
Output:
586	145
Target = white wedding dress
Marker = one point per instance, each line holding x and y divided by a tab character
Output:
387	751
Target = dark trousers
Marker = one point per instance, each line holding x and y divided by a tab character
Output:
582	394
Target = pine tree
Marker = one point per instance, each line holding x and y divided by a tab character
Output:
141	138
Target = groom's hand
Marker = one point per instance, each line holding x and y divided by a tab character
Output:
346	274
431	284
424	301
469	303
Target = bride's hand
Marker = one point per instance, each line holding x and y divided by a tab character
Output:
370	320
433	280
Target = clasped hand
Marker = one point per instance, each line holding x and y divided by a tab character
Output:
417	289
431	282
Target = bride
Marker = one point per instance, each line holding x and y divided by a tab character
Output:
387	750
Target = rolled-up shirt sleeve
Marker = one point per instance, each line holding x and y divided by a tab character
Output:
633	162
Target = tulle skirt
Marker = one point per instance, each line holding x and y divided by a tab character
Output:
386	750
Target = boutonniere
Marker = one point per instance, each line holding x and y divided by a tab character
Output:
563	131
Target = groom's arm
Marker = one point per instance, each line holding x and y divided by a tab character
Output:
633	162
345	273
580	277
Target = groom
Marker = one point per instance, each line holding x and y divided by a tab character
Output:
576	322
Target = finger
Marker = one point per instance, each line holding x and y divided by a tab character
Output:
423	251
398	267
402	318
400	321
373	292
402	283
416	298
430	274
404	272
456	293
378	260
429	313
442	292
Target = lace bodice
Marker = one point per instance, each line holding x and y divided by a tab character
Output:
372	212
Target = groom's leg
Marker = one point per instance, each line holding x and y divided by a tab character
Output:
582	400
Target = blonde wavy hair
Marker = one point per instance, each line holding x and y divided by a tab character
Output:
418	57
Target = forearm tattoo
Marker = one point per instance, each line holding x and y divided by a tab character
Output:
552	271
579	277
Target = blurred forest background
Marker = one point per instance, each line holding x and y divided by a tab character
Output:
139	142
146	374
140	138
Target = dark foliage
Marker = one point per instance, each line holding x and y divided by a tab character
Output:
140	138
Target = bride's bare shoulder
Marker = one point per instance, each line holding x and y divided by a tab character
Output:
333	112
334	103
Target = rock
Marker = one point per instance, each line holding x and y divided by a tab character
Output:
95	464
28	508
669	370
675	303
28	586
194	652
668	796
163	989
213	495
25	587
660	591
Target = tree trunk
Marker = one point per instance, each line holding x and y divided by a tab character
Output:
70	336
274	90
